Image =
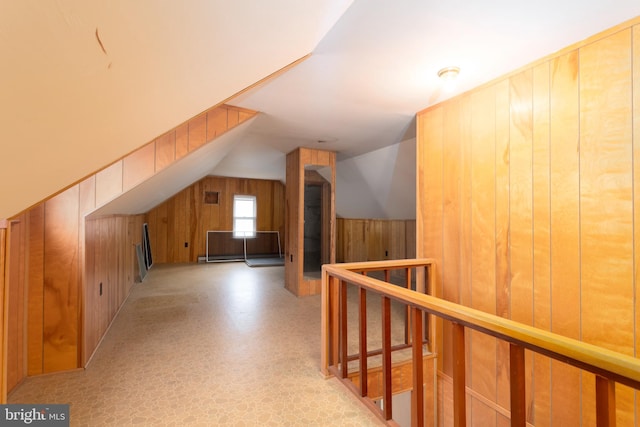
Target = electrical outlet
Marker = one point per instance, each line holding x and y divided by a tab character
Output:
100	288
186	244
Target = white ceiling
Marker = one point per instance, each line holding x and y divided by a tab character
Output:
83	83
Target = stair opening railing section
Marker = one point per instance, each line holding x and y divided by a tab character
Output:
608	366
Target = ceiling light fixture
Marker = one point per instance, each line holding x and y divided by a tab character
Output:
448	75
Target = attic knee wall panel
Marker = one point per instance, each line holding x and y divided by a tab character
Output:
561	179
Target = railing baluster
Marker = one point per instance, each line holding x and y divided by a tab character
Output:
363	341
386	358
518	386
459	382
407	317
417	396
605	402
344	351
609	367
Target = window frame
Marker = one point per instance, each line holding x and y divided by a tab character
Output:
244	234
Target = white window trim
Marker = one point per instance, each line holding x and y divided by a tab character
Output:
244	234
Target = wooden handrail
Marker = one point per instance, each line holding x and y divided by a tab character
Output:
609	366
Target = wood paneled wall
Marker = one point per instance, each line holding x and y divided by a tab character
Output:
295	280
178	227
111	271
529	198
154	156
3	288
374	239
45	256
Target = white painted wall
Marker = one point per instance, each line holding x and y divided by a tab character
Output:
379	184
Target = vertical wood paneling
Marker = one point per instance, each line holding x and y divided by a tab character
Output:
483	259
109	183
53	255
197	132
15	306
521	197
3	284
61	281
572	192
216	122
110	261
503	125
165	150
521	206
182	140
451	220
606	200
138	166
233	117
565	220
430	209
292	274
87	202
35	320
541	240
636	189
606	192
186	218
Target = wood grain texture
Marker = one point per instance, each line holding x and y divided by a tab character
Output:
541	240
295	280
35	320
61	279
165	150
430	209
636	186
15	295
355	238
186	217
521	208
216	122
197	132
606	192
606	199
138	166
483	258
572	194
565	232
503	274
451	221
111	265
182	140
109	183
3	287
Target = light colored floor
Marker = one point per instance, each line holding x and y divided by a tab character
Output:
218	344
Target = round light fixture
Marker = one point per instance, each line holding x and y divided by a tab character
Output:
448	76
449	73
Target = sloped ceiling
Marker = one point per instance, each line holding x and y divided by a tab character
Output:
83	83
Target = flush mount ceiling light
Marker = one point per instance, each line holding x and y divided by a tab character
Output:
448	76
449	73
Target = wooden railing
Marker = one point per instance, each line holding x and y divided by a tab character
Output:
608	366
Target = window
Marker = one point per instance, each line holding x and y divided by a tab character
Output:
244	216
